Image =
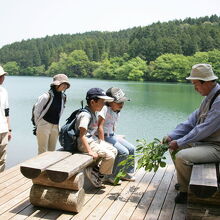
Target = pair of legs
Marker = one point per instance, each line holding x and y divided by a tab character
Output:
47	135
105	162
106	153
3	147
197	153
124	149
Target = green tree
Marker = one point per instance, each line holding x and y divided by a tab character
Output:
58	67
12	68
214	59
105	70
133	69
76	64
171	67
34	71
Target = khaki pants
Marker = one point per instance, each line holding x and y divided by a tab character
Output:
107	154
3	147
47	135
198	153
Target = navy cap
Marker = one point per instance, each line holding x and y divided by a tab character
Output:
98	93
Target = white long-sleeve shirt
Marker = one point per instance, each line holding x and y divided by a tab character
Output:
3	106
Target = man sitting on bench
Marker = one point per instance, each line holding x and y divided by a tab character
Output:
197	140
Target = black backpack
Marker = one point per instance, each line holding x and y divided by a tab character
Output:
68	134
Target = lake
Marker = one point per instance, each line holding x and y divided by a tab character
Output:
154	109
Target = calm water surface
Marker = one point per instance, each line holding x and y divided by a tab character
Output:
154	109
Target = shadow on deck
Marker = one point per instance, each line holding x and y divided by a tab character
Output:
151	196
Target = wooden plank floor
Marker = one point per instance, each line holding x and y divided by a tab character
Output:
151	196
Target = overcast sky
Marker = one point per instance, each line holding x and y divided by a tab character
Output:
25	19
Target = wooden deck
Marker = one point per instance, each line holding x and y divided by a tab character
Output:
151	196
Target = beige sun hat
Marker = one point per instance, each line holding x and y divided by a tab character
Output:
2	72
202	72
59	79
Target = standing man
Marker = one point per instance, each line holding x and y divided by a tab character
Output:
5	130
198	138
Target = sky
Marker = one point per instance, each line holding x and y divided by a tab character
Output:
26	19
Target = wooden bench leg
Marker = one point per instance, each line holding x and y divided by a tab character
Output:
76	182
57	198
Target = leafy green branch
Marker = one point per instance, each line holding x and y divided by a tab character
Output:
150	156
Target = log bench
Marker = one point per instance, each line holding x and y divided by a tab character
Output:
57	179
203	193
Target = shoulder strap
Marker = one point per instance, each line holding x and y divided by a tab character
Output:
213	98
64	98
86	109
48	100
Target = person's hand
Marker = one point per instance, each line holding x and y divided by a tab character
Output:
120	136
173	145
166	140
93	154
9	136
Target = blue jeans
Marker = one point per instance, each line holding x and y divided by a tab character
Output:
124	149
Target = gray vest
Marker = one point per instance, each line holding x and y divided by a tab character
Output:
203	111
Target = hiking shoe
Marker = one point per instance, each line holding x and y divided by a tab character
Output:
181	198
129	178
112	181
96	170
93	177
177	186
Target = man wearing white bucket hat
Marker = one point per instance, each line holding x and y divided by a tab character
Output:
198	138
5	130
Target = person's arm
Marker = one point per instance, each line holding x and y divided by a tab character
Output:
41	102
101	122
6	107
185	127
205	129
101	134
84	141
9	129
8	122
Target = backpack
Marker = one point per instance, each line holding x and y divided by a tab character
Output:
68	134
32	115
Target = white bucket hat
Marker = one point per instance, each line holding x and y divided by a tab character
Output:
59	79
2	72
202	72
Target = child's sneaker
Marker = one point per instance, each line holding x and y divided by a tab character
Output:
93	177
96	169
112	181
129	178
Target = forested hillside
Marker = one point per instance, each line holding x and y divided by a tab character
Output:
161	51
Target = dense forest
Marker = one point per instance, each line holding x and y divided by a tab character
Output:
158	52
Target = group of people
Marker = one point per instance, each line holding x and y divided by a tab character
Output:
96	128
197	140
